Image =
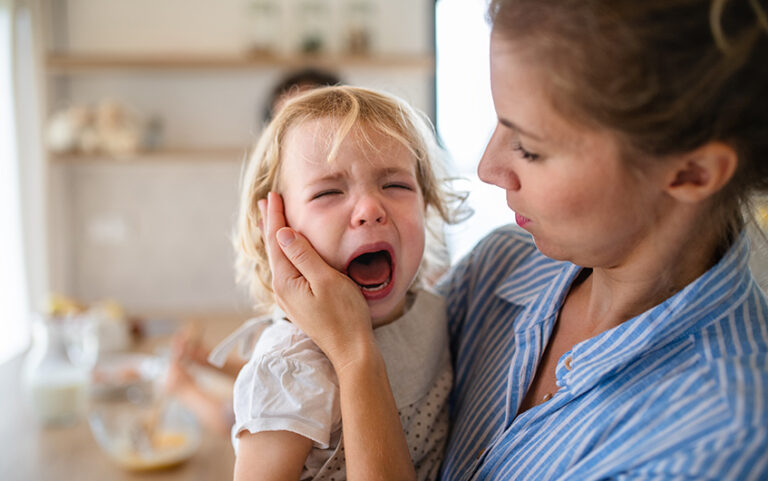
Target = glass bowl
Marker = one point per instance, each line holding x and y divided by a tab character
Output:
141	430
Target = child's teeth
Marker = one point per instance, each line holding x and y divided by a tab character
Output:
377	288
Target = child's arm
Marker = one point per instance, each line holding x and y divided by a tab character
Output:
271	456
330	309
374	442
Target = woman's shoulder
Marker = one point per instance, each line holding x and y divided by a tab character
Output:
508	234
494	261
733	350
502	251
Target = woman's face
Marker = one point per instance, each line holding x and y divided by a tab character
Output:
566	183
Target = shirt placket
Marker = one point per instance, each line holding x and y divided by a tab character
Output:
527	350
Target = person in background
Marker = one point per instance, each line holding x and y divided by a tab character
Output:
295	83
189	353
616	332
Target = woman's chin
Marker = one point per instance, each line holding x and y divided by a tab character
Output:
552	251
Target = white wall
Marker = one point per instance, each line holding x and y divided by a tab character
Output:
215	26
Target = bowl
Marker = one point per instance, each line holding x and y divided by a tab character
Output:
137	428
116	372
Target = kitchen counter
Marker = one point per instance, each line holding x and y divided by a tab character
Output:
29	452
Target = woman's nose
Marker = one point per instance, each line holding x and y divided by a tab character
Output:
368	210
496	168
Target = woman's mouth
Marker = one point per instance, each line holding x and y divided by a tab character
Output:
373	271
521	219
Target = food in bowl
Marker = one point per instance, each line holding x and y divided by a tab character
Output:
121	408
173	441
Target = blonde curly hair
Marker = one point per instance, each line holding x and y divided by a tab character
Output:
366	111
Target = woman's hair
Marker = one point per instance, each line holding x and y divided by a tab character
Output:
355	111
665	76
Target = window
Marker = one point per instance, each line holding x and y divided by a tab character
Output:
465	115
14	298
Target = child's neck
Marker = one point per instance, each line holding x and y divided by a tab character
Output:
398	312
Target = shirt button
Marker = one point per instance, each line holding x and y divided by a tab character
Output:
546	397
480	453
567	362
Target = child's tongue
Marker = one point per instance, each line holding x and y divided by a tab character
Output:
370	269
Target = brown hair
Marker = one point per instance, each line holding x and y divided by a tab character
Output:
355	110
666	76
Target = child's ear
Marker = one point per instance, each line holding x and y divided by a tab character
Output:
701	173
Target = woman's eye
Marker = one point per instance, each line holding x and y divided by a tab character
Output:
326	193
518	147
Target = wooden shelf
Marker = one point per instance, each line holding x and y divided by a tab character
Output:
71	63
160	155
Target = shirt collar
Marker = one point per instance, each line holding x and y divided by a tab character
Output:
715	293
540	283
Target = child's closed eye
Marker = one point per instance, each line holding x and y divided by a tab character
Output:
399	185
326	193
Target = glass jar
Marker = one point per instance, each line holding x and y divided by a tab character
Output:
314	27
360	24
57	388
264	27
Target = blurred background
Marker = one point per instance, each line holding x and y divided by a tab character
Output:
126	124
124	127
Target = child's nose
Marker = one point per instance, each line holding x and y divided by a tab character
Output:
368	210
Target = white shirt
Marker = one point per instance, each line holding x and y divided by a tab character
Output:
288	384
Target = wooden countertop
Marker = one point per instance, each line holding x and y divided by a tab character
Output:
32	452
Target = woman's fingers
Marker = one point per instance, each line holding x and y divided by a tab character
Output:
324	303
273	219
303	257
292	260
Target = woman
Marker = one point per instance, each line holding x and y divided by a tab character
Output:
622	336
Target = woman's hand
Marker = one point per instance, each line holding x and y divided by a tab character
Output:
331	310
324	303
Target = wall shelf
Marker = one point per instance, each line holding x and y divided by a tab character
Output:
72	63
185	154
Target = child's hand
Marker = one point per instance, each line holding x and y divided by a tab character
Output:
178	379
324	303
186	346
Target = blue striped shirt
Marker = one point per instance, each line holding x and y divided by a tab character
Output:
679	392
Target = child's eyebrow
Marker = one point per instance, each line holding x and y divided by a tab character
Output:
326	178
383	172
389	171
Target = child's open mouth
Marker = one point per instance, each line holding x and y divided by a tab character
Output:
372	271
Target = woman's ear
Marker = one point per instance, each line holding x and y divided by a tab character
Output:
701	173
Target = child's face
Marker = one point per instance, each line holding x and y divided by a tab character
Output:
363	212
